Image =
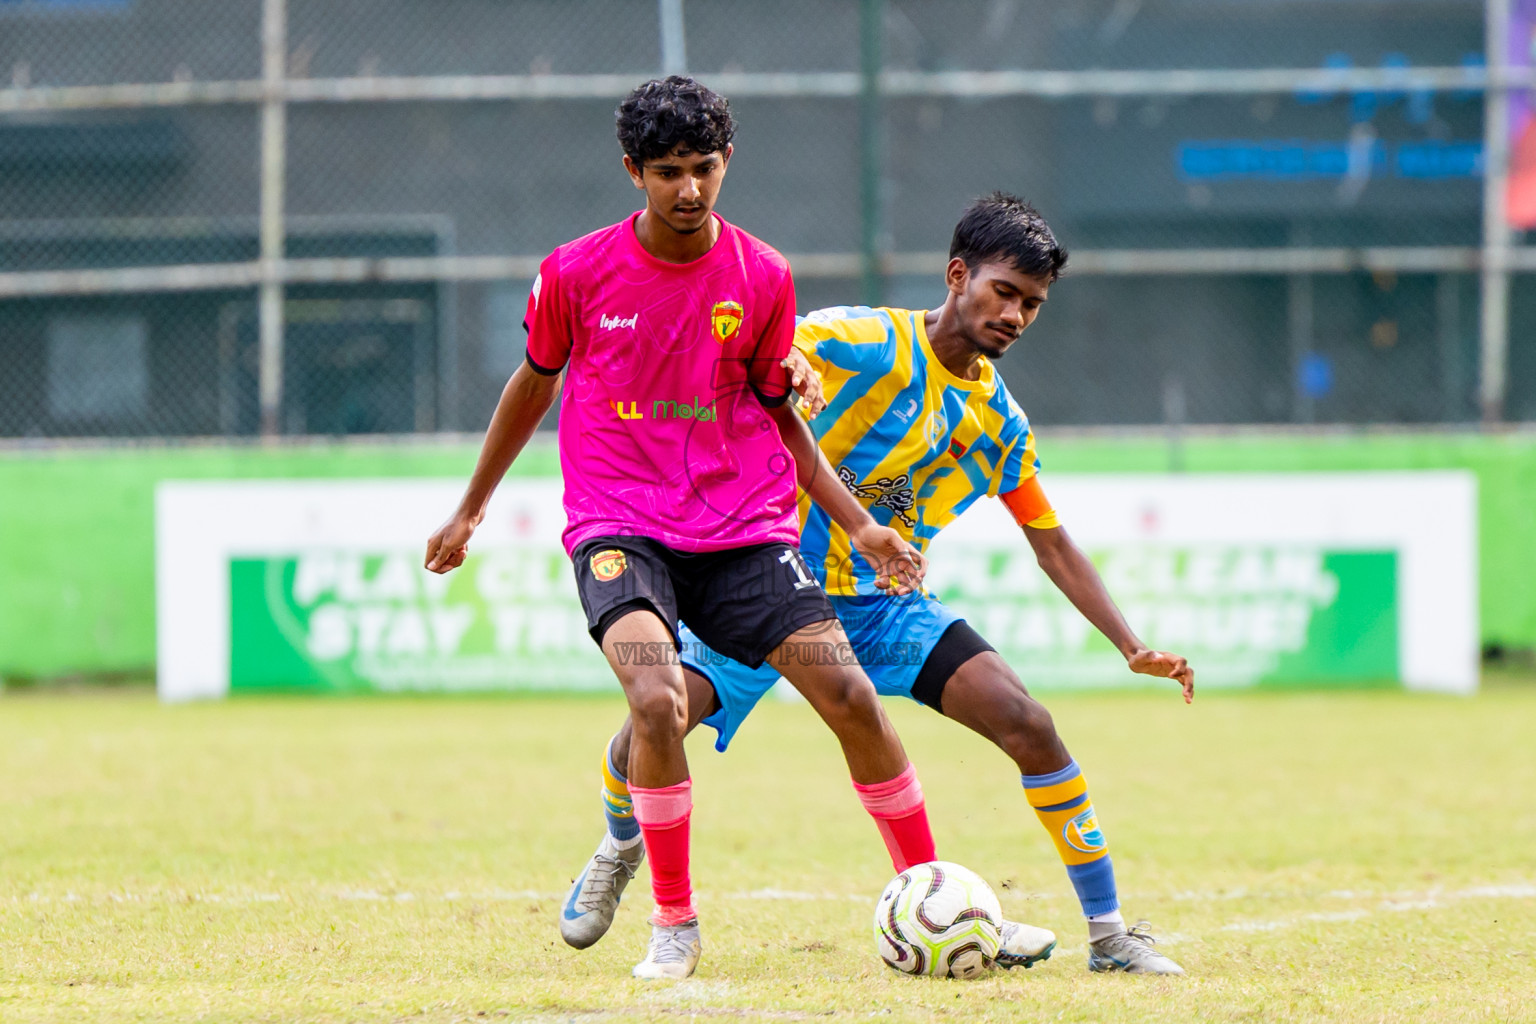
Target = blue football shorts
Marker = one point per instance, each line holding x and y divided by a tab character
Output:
891	637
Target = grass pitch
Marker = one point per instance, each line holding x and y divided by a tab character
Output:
1365	857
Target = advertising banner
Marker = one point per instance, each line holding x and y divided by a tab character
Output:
1261	580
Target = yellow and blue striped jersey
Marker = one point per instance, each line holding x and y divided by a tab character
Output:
916	444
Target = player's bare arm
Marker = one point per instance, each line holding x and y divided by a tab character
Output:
524	401
902	566
1074	575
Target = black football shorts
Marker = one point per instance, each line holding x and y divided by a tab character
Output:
743	602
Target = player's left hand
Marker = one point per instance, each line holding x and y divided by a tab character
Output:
1168	666
899	567
806	382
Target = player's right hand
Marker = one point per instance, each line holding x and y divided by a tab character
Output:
447	547
899	567
806	382
1168	666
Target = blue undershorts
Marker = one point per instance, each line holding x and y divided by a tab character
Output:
890	636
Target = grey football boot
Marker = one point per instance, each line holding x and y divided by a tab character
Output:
589	909
1130	951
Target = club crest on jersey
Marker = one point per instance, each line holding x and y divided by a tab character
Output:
1082	832
725	320
934	428
608	564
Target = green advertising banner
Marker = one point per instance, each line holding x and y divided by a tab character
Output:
329	620
510	620
1260	581
1245	616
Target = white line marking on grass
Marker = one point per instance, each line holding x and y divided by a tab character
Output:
1391	902
1395	903
787	894
689	993
1429	904
1270	926
1497	892
494	895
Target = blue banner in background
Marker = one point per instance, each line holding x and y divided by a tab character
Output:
1310	160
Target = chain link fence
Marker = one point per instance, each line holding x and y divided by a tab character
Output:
1276	208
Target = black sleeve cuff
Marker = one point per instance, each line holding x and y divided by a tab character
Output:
768	401
542	370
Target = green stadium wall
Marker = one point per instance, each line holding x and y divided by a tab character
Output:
77	572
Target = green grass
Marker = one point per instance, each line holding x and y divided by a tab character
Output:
1366	857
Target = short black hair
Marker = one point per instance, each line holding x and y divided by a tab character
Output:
1002	228
664	112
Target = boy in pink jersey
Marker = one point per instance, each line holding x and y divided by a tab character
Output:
681	460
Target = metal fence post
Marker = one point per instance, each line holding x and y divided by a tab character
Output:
274	123
871	28
674	41
1494	340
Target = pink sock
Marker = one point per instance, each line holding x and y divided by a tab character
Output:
902	817
663	817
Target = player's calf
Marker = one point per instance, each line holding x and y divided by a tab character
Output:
659	787
985	695
845	699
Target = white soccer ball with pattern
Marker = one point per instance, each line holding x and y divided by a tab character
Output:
938	919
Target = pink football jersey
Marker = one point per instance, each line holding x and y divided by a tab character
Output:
663	430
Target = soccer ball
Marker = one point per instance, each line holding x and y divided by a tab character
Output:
938	919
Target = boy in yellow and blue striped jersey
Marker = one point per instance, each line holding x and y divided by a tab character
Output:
918	425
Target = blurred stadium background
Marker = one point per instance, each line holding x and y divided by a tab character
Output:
295	237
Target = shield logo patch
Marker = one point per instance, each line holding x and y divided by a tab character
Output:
608	565
725	320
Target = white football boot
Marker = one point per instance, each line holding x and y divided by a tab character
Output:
1130	951
1024	945
589	909
674	951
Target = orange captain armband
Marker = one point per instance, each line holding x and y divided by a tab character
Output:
1030	506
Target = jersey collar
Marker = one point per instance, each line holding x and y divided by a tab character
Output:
984	383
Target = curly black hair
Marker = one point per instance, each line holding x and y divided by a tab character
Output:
999	227
658	115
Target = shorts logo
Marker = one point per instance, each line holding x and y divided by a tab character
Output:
1082	832
608	564
725	320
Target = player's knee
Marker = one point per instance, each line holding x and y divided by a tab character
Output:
849	702
658	711
1026	729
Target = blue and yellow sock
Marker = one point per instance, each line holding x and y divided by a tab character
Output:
618	808
1061	802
